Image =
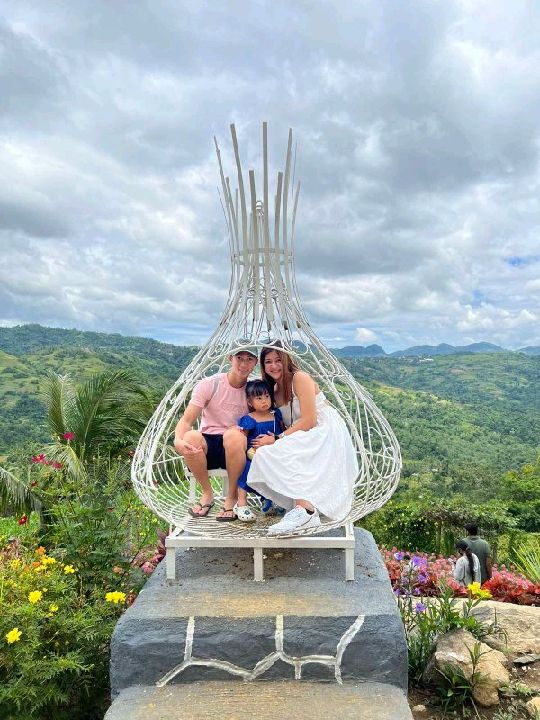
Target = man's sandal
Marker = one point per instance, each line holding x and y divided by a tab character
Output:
206	506
244	513
224	518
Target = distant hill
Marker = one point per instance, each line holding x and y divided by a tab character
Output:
359	351
530	350
445	349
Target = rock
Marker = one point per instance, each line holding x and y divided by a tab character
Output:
452	650
533	707
521	624
526	659
419	708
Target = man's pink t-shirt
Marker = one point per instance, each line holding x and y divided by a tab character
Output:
226	407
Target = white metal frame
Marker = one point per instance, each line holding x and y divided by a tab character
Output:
180	539
263	308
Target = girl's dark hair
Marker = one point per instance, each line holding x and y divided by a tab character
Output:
289	368
462	545
257	388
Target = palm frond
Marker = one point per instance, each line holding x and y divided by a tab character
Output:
102	404
59	396
15	495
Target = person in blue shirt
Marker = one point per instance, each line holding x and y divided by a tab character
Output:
263	419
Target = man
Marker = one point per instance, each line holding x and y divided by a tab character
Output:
481	549
220	400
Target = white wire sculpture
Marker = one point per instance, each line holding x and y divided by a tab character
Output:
263	308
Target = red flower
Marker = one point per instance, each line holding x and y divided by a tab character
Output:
57	465
68	436
33	484
23	520
39	459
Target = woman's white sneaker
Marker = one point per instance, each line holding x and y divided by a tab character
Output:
296	519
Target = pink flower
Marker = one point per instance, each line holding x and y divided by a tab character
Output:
23	520
57	465
147	568
68	436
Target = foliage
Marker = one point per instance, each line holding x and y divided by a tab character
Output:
458	689
106	413
434	524
527	561
521	489
53	638
508	587
15	495
425	621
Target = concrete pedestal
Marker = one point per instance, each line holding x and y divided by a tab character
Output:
305	622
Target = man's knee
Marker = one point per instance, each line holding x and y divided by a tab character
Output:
195	438
234	440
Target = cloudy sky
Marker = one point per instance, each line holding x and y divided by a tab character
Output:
418	140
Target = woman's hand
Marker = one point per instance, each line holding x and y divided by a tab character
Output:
261	440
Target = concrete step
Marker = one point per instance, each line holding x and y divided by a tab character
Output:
305	622
278	700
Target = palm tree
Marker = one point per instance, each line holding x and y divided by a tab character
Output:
104	415
15	495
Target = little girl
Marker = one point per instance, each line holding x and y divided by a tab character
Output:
263	418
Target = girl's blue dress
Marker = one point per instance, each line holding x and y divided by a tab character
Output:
254	429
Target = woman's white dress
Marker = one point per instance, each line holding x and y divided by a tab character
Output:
319	465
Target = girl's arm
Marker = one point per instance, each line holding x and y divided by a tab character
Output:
304	389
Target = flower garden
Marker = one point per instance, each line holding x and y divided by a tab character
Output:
428	575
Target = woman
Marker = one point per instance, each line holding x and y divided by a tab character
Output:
312	467
467	569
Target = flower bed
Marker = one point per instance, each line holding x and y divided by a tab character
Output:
425	575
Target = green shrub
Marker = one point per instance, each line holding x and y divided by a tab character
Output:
54	638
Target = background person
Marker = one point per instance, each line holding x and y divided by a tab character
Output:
219	400
312	468
467	569
481	549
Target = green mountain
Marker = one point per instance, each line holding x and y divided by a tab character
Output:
468	415
29	352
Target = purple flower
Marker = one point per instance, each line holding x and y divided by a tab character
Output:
397	592
416	591
422	578
418	561
420	607
399	556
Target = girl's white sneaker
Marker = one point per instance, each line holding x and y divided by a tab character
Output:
296	519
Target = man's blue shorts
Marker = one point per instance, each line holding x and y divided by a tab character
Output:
215	457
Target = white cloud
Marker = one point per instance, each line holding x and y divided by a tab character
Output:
418	150
365	336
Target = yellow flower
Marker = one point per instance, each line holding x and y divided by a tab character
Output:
15	563
13	636
69	570
35	596
53	607
477	592
48	560
115	597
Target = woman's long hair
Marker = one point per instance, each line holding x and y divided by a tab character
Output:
289	368
462	545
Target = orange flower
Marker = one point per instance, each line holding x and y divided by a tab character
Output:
40	550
